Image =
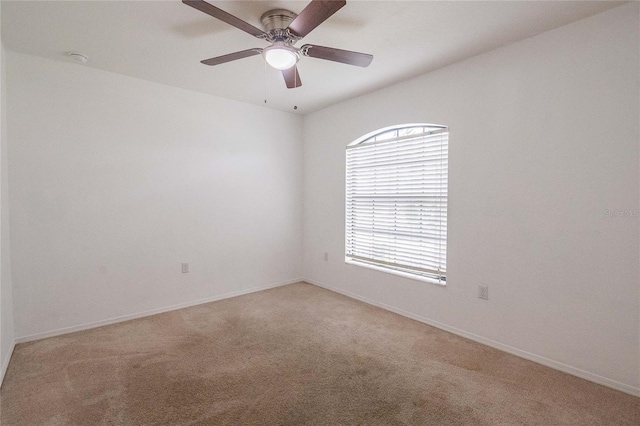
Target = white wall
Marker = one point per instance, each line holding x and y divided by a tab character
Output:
115	181
6	297
543	142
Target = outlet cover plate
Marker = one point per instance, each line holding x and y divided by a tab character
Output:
483	292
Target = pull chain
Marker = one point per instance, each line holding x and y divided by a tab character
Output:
295	80
265	82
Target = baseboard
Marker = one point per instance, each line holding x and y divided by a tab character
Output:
5	363
623	387
87	326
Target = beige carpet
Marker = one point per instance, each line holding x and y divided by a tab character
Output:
294	355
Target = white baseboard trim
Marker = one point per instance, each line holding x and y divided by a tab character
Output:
623	387
87	326
5	363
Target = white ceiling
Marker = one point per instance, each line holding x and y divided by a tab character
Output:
164	41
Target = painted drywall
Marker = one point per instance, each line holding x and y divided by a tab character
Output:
6	292
116	181
543	197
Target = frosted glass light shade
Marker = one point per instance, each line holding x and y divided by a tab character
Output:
280	57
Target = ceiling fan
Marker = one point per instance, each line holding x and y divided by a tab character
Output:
283	29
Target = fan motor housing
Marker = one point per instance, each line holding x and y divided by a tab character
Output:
277	19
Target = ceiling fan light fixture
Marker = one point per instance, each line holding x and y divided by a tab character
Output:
281	56
283	28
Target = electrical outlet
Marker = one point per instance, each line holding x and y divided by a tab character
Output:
326	256
483	292
185	268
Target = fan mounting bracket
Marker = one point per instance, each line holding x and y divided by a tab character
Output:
275	23
277	19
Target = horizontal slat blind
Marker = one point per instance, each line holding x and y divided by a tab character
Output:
396	206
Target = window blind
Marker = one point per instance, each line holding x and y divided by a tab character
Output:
396	200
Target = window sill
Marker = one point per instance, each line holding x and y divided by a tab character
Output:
391	271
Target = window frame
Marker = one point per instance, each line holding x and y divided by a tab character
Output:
411	272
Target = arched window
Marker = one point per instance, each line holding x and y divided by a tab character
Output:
396	200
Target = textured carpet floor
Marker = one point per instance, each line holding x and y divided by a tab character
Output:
293	355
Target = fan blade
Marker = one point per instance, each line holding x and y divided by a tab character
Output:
232	56
291	77
313	15
220	14
337	55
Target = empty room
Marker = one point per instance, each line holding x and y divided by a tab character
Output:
319	212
